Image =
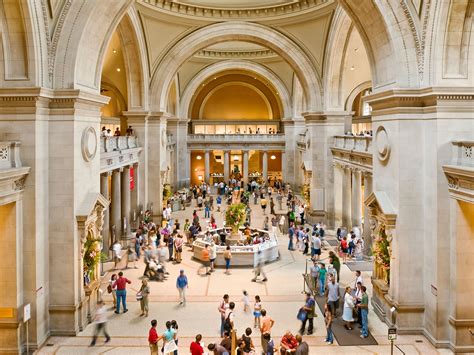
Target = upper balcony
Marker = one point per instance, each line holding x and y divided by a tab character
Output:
355	151
460	172
118	151
236	141
12	172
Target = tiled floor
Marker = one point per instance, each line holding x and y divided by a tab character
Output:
281	296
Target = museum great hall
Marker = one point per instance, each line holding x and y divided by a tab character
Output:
364	107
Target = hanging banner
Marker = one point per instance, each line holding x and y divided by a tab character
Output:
132	181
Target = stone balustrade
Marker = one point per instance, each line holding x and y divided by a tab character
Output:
236	141
10	155
463	154
111	144
354	143
117	152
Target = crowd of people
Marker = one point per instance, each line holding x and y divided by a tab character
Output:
164	243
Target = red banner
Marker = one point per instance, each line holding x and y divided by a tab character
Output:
132	181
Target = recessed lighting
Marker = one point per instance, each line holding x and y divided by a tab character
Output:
114	51
118	69
199	157
356	49
352	68
273	157
196	169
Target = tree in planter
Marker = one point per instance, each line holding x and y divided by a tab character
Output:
235	216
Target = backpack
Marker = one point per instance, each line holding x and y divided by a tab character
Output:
227	323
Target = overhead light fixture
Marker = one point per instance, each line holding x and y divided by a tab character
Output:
236	158
199	157
273	157
114	51
356	49
118	69
200	177
196	169
352	68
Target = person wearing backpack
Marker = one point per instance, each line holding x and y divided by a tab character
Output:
229	318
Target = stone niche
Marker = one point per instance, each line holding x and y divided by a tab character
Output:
90	221
382	219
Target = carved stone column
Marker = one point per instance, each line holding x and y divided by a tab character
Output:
346	198
265	166
104	190
366	233
356	198
125	206
245	167
338	199
207	167
115	209
226	166
135	195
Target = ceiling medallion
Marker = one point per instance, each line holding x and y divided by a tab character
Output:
382	144
89	143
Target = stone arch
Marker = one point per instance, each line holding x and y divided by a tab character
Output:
247	66
334	59
391	41
356	91
243	31
134	51
82	33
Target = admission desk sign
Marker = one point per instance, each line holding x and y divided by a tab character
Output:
392	334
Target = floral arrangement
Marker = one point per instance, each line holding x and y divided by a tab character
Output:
92	258
167	192
235	216
382	251
305	192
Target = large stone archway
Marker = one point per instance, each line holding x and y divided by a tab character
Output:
245	66
232	31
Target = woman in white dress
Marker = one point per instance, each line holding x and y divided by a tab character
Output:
348	307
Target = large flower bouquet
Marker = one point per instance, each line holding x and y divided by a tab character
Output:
92	257
235	216
382	251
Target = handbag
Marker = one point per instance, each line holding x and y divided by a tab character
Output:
109	289
139	296
302	315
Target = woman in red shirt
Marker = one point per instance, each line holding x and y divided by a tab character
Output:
153	338
196	348
344	248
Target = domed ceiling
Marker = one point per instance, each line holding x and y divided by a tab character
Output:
236	4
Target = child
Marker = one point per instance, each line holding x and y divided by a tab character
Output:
257	311
270	344
246	301
328	322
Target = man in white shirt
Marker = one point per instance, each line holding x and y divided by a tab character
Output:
100	322
212	255
358	279
315	246
117	249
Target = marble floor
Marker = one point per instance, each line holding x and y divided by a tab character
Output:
281	296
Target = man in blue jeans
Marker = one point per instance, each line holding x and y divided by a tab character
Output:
364	311
121	285
291	233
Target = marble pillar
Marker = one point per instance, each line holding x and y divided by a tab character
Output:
207	168
104	190
356	198
245	167
115	206
265	166
134	194
125	206
338	198
226	166
366	232
346	198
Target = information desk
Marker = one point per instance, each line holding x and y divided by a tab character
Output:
242	255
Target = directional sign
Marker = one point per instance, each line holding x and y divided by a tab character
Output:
27	312
392	334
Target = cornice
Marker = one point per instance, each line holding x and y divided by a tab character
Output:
460	182
175	7
235	54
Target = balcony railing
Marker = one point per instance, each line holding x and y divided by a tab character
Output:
111	144
354	143
233	138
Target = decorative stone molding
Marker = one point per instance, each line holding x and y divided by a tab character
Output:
12	173
420	101
89	143
235	54
294	8
236	141
382	144
460	173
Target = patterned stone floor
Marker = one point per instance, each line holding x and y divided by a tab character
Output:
281	296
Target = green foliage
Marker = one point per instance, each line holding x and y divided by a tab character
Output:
92	256
167	191
382	252
235	216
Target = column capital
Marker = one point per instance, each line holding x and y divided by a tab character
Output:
107	173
